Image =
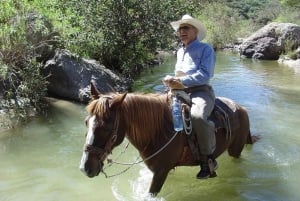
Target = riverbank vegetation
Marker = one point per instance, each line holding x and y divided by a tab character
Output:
122	35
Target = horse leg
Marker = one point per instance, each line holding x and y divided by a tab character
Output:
241	135
158	180
236	146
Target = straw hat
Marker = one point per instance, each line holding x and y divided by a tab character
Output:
187	19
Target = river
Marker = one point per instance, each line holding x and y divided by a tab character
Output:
39	160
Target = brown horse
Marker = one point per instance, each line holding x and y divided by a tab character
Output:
146	121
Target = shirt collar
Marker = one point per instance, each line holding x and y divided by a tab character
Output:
193	43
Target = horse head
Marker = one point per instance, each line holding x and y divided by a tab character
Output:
105	130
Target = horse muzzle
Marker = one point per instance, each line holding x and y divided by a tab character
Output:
92	172
90	166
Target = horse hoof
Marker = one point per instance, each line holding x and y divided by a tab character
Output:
255	138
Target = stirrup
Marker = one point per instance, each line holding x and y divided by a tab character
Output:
212	164
208	169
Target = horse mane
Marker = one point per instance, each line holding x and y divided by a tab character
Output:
99	107
149	118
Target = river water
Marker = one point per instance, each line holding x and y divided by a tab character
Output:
39	160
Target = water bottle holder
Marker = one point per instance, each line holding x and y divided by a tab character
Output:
177	115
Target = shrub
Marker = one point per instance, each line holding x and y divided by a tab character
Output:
122	35
221	31
20	74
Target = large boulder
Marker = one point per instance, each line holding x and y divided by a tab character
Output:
69	77
271	41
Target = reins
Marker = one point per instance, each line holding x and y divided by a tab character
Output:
104	152
111	162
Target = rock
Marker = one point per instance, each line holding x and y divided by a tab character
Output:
298	52
69	77
271	41
294	64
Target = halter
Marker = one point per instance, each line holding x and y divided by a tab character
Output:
102	153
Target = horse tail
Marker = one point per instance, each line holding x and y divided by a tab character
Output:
251	139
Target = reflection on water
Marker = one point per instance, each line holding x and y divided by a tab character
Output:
39	161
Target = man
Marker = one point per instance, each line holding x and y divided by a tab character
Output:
194	68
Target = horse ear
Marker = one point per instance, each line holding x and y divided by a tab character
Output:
94	91
117	101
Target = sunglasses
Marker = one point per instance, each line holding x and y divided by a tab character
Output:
184	28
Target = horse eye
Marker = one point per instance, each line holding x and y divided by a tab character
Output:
106	119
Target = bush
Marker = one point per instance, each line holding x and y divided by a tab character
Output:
217	34
20	75
122	35
290	15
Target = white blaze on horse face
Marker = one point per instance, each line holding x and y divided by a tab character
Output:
88	141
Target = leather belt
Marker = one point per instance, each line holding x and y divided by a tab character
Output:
198	88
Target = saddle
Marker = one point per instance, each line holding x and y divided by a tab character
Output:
222	114
223	118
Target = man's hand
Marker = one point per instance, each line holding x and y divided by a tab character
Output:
173	82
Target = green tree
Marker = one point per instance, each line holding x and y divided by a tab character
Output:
291	3
249	9
289	11
217	34
25	86
122	35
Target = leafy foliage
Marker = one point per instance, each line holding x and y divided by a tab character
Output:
217	35
125	33
289	14
20	74
291	3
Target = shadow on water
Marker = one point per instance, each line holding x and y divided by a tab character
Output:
39	161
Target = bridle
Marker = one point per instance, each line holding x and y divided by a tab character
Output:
102	153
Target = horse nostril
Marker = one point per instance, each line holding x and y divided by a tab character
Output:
89	173
85	170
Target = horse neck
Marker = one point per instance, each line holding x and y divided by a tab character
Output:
146	119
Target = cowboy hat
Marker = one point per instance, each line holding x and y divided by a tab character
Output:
187	19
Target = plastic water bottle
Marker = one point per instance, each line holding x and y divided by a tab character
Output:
177	114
